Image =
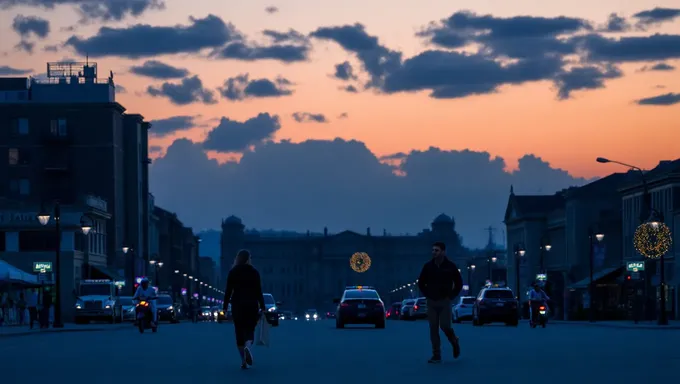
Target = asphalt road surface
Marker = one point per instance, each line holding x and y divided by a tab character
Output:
303	352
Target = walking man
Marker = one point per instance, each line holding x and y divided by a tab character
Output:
32	305
440	282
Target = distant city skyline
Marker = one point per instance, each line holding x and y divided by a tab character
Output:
371	114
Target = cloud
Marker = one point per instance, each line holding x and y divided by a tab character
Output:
155	149
189	91
271	9
285	52
662	67
306	117
90	10
170	125
377	60
581	78
616	23
290	36
356	192
236	136
241	88
159	70
350	89
344	71
143	40
51	48
343	115
27	26
596	48
10	71
120	89
661	100
656	16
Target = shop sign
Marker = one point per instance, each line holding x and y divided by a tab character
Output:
17	218
635	266
42	266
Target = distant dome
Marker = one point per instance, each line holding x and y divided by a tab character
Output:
233	220
441	219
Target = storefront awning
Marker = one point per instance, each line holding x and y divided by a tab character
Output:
599	275
106	273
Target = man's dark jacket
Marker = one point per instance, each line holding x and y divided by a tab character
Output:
440	281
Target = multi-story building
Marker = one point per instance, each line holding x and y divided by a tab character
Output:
67	137
309	271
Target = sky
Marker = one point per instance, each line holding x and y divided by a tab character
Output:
304	114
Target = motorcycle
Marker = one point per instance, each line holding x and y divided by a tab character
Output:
541	318
144	316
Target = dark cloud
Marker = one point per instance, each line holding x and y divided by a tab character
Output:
350	89
344	71
143	40
342	185
242	87
581	78
306	117
155	149
120	89
236	136
170	125
664	100
662	67
159	70
395	156
629	49
104	10
376	59
287	53
290	36
343	115
656	16
51	48
10	71
189	91
271	9
616	23
25	46
26	26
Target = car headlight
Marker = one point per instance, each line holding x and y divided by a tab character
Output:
307	316
222	313
315	316
272	309
170	308
132	309
79	305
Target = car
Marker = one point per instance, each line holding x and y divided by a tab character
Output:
394	311
218	314
360	305
128	308
419	309
406	308
286	315
272	309
462	309
495	305
166	309
205	314
330	315
312	315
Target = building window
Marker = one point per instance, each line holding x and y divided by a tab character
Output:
22	126
58	127
13	156
24	187
36	241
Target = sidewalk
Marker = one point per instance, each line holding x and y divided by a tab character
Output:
622	324
15	330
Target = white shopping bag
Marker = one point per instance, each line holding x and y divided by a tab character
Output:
262	332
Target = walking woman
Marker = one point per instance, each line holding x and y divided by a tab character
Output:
244	292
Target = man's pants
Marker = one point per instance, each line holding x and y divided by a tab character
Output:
439	316
32	315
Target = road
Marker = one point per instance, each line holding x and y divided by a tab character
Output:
317	352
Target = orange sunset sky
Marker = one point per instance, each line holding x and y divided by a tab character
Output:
518	119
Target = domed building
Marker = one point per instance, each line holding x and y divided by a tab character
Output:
310	270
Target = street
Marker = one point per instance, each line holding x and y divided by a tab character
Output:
317	352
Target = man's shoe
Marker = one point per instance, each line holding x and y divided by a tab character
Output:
435	360
456	347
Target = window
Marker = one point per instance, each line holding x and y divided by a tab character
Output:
33	241
361	294
22	126
24	187
58	127
498	294
13	156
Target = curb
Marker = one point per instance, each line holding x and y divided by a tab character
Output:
38	332
622	326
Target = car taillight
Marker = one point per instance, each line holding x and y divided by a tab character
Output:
415	307
542	308
344	304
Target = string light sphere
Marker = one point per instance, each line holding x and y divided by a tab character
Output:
652	240
360	262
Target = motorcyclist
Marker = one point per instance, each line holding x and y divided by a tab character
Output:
146	292
537	297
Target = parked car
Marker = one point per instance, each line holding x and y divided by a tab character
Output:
462	309
495	305
419	309
205	314
394	311
406	308
128	308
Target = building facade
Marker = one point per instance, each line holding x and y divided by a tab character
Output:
309	271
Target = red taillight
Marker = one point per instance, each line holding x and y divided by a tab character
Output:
541	308
415	307
344	304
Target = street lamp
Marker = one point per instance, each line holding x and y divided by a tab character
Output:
592	237
545	247
489	263
470	268
86	227
44	218
519	252
157	264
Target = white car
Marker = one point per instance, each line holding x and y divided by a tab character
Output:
462	309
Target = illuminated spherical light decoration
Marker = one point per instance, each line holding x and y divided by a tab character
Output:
360	262
652	241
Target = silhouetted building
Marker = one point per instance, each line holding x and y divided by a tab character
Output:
309	271
67	137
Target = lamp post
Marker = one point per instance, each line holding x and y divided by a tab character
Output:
592	238
44	218
489	262
157	264
545	247
470	269
86	226
519	252
652	217
127	249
